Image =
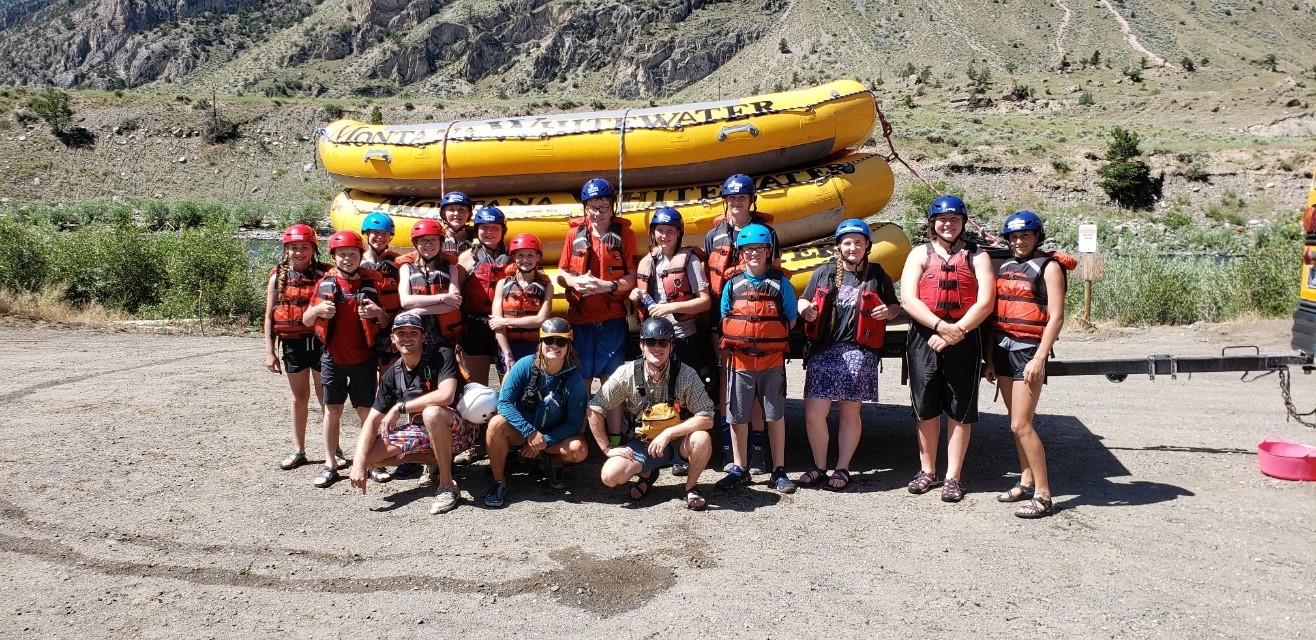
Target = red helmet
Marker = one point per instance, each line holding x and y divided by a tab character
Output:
425	227
345	239
299	233
525	241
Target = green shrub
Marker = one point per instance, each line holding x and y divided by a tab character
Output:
209	260
24	255
117	266
1269	278
52	105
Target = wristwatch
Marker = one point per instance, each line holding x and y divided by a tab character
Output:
614	286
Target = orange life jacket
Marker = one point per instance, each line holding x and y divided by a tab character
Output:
433	282
388	270
612	265
1021	298
520	302
328	289
676	285
724	261
452	249
291	302
870	332
757	322
478	289
949	287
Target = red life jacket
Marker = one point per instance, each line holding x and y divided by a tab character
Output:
328	289
612	265
291	302
676	285
870	332
757	322
432	282
388	270
724	261
478	289
520	302
1021	297
949	287
452	248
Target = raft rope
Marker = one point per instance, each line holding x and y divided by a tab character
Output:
887	130
621	160
443	160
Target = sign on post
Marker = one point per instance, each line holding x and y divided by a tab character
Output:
1087	238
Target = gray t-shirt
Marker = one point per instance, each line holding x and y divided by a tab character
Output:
694	273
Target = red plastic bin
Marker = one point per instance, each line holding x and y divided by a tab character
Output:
1286	460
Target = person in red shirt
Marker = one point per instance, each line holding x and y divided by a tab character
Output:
346	317
597	270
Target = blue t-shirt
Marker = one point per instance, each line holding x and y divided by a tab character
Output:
559	407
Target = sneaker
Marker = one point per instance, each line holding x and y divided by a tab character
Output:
431	474
781	482
680	469
327	477
497	496
557	477
445	500
338	457
380	475
758	459
407	470
469	456
734	478
923	482
294	460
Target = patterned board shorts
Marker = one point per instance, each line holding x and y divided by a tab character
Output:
844	372
412	437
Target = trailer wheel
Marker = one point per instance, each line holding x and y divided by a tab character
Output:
1117	377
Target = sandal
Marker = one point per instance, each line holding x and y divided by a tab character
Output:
951	491
694	500
1036	508
839	475
640	487
923	482
294	460
327	477
813	477
1019	491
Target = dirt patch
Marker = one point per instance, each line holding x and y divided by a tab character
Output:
142	498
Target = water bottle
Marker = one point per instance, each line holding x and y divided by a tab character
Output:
648	301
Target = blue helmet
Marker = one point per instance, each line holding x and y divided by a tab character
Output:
667	216
489	215
597	188
738	185
753	234
454	197
947	204
1021	221
853	225
377	222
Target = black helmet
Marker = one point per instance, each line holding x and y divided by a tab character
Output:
555	327
657	328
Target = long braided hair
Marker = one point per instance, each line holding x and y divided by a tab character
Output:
315	270
861	275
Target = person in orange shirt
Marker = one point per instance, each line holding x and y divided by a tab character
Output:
597	270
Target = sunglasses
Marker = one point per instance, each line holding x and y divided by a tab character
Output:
553	341
661	343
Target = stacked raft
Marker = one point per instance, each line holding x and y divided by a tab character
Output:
797	145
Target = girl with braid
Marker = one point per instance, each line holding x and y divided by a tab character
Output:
845	308
288	294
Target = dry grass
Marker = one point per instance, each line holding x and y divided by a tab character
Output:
49	305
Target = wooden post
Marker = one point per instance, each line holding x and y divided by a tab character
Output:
1091	268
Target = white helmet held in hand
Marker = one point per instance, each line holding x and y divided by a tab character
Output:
478	404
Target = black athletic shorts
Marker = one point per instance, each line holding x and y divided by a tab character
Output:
477	338
1010	364
348	381
945	382
300	354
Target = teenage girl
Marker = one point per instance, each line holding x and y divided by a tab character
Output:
1030	309
845	308
484	264
455	212
522	302
670	282
287	295
430	285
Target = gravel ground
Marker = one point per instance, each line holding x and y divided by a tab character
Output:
141	498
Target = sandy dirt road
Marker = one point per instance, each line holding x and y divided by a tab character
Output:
141	499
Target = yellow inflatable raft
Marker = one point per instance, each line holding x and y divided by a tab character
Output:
680	144
805	204
890	247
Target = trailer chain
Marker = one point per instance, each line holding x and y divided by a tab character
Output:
1288	401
